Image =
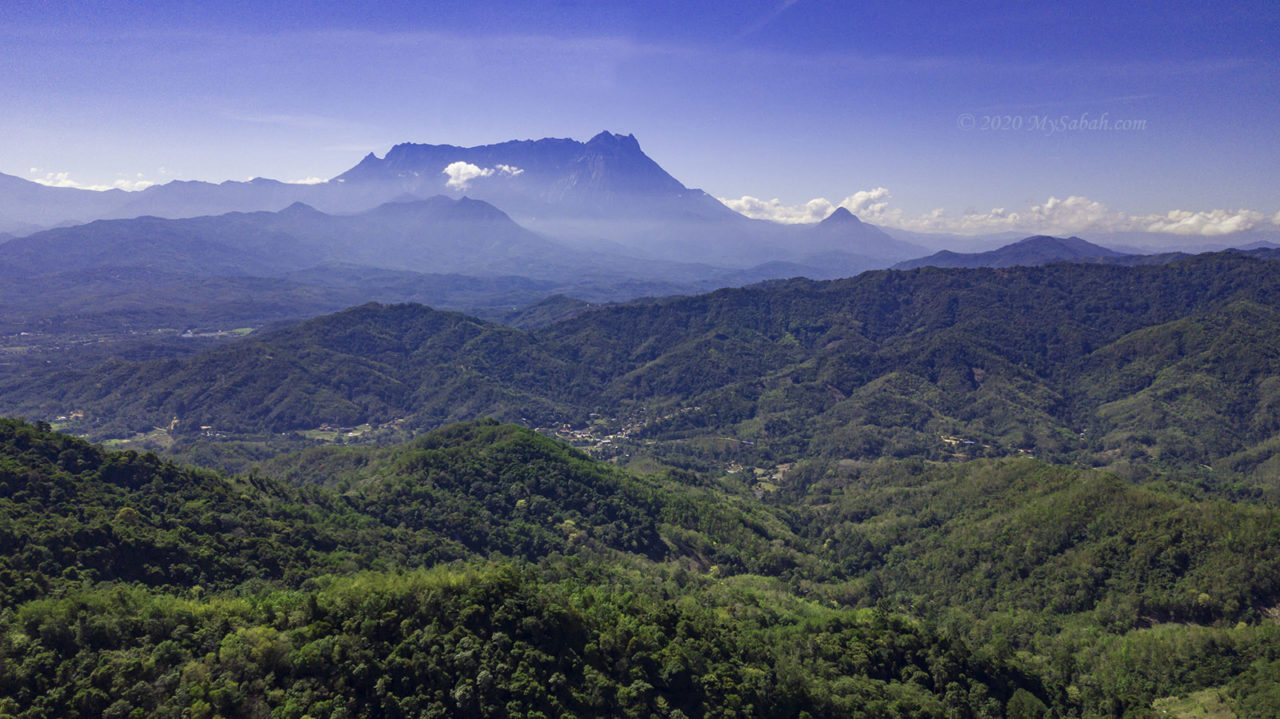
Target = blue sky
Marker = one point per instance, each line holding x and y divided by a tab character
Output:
902	111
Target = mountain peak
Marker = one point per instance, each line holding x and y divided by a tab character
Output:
1070	246
300	208
440	208
841	216
610	139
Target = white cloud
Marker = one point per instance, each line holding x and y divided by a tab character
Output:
1069	215
462	173
130	185
1080	214
308	181
1212	222
63	179
774	210
1055	216
869	205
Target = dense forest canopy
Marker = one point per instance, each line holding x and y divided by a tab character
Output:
1024	492
485	569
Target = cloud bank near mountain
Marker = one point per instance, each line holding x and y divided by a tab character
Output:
1072	214
462	173
63	179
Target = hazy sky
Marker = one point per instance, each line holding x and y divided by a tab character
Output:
1114	110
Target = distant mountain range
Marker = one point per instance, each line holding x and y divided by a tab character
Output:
602	194
438	234
487	230
611	225
28	206
607	189
599	194
247	268
1044	249
254	267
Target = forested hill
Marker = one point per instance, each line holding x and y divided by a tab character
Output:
485	570
927	362
370	363
136	587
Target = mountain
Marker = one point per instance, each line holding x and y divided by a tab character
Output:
1266	253
607	189
606	176
437	241
841	245
186	198
555	308
926	363
227	245
441	234
603	190
602	195
437	234
27	206
1186	389
1036	250
367	364
247	268
149	272
1147	242
122	302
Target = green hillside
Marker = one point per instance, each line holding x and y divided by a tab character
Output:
1146	368
1043	492
135	585
367	364
487	570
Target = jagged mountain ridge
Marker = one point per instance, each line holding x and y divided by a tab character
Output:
608	189
599	194
553	171
603	176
